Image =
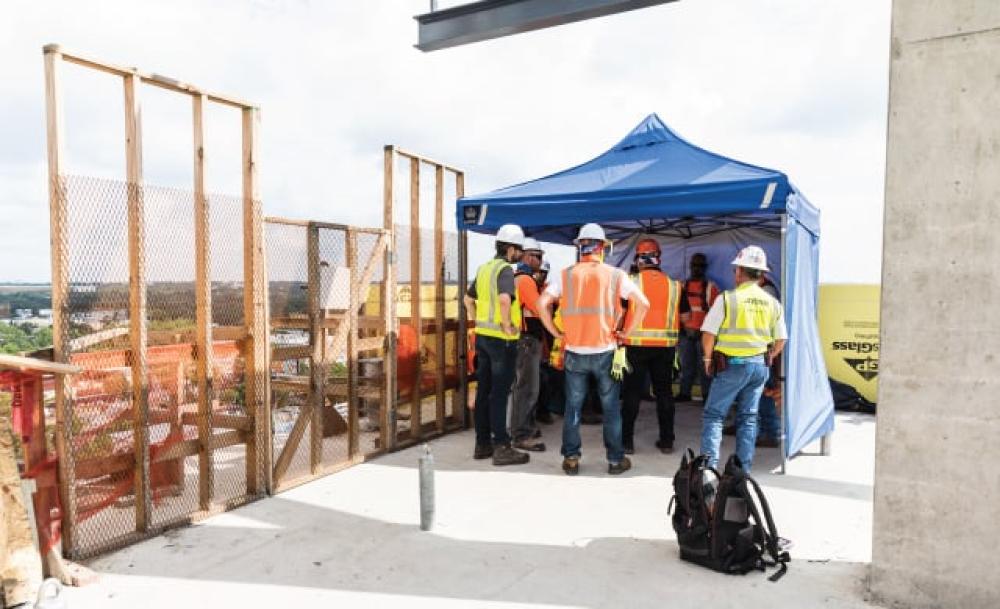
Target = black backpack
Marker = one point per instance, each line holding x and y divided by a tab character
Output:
720	523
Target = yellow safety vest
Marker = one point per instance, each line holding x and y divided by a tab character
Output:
488	302
746	329
661	325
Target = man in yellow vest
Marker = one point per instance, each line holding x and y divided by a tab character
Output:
492	301
650	346
746	329
590	294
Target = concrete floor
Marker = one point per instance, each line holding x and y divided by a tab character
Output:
524	536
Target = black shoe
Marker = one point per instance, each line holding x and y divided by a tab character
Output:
544	416
621	467
629	448
571	465
682	397
483	451
530	444
767	442
505	455
665	447
729	430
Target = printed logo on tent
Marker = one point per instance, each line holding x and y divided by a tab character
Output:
867	367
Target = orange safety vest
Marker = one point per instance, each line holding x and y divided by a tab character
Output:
590	304
701	294
661	325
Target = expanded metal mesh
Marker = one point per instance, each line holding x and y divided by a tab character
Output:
99	242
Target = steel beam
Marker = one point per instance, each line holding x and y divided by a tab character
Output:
488	19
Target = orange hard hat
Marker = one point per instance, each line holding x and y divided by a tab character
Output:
647	246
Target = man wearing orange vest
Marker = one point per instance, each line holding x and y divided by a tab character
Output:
701	294
524	394
651	345
590	295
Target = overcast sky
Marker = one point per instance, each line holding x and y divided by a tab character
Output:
798	86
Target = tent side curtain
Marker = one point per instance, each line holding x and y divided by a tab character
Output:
808	411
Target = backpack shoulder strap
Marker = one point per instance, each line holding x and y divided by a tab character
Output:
771	531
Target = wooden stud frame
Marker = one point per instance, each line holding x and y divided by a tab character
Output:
254	334
460	418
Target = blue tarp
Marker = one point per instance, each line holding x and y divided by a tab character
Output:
654	183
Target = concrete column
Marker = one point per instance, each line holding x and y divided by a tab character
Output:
937	490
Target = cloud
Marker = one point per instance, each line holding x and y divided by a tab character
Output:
796	86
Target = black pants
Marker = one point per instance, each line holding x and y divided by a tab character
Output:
659	363
495	361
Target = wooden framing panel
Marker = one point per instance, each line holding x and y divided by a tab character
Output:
461	396
352	338
440	358
317	338
416	314
255	350
387	423
203	309
137	303
60	294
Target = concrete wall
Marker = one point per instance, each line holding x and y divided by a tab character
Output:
937	475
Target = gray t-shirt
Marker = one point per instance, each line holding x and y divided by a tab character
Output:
505	283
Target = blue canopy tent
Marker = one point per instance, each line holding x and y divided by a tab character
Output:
655	184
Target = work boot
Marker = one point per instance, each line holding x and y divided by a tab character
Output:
531	444
571	465
503	454
665	447
621	467
483	451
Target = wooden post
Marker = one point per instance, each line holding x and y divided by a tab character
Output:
255	353
60	296
317	367
463	326
441	358
416	399
137	302
387	424
203	309
351	319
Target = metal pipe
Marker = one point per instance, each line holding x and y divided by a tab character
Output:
783	440
426	468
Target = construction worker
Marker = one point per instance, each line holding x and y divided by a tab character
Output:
590	295
701	294
650	346
524	395
492	301
548	376
746	329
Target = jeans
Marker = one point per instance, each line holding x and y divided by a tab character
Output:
744	384
769	422
659	363
690	351
524	395
578	368
495	360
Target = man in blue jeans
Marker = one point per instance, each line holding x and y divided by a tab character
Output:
590	295
746	328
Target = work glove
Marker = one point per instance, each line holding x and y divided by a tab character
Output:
619	364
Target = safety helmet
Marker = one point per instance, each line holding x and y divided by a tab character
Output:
531	245
752	257
590	231
647	246
511	233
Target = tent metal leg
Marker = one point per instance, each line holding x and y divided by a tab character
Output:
826	445
784	393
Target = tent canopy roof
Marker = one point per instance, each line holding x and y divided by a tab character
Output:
651	181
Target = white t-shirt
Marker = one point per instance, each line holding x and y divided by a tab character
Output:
717	314
626	287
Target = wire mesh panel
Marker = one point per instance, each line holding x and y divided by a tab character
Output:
133	412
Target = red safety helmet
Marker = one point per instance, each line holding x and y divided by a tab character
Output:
647	246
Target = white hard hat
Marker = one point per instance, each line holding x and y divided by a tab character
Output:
752	257
591	231
531	245
511	233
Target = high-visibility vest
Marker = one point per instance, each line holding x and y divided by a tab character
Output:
661	325
747	326
488	302
590	304
701	294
